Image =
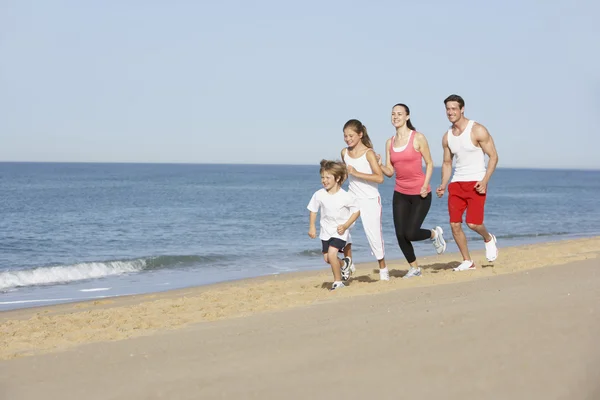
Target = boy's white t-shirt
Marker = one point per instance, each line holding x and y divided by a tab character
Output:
335	209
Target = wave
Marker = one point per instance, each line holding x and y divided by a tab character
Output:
526	235
94	270
309	253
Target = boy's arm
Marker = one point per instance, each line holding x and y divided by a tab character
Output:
352	219
312	229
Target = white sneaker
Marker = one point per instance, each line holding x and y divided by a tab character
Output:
346	269
412	272
337	285
438	241
352	267
491	249
384	274
465	265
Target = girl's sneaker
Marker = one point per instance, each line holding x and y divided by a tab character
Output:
384	274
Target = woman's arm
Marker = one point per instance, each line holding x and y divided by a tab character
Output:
388	168
423	148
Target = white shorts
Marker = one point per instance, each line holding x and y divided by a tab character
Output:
370	216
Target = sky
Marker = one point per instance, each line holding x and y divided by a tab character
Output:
273	82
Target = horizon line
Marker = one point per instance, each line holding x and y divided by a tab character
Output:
254	164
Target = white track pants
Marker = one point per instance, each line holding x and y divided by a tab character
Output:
370	216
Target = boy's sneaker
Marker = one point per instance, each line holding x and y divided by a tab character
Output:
352	267
491	249
412	272
438	241
346	272
337	285
465	265
384	274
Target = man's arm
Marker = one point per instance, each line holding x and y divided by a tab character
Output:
423	147
486	142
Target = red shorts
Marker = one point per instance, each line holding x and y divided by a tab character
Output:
463	196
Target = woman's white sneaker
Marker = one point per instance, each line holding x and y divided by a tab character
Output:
438	241
465	265
412	272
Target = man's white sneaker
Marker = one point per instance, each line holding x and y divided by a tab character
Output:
384	274
412	272
438	241
465	265
346	269
491	249
337	285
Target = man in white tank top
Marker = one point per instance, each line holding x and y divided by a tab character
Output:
467	142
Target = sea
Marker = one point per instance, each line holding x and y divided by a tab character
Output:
80	231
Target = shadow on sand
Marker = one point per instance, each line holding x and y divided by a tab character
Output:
399	273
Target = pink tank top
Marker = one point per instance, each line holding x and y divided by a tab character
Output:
408	166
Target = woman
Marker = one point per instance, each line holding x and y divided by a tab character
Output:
406	152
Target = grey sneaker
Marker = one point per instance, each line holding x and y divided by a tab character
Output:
346	271
438	241
412	272
337	285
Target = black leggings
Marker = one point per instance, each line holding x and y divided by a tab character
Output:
409	213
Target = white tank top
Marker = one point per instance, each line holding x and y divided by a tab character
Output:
470	160
361	188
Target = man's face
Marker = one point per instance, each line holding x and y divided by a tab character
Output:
454	111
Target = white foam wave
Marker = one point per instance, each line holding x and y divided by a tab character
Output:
67	273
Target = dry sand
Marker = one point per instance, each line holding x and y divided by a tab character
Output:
529	334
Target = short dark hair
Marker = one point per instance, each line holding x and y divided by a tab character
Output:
457	98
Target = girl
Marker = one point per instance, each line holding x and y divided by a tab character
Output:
338	212
412	194
364	176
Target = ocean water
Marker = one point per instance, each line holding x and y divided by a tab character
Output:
73	231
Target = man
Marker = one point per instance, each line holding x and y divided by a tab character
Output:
468	141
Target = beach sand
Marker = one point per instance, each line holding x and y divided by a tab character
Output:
508	330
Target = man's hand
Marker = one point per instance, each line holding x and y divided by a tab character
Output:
440	191
481	187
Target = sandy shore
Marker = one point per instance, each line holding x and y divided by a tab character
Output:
532	334
54	328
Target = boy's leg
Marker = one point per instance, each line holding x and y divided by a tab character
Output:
335	263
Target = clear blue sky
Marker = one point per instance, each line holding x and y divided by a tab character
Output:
274	81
